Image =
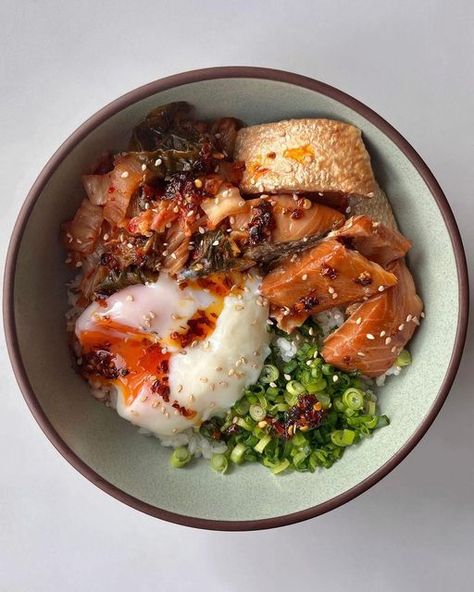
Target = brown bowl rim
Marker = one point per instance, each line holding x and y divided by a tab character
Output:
175	81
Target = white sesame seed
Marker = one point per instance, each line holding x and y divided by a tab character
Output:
130	245
335	378
79	264
305	238
190	213
124	175
106	236
381	288
176	209
382	333
212	386
179	388
409	318
394	349
311	331
191	398
215	243
78	241
129	298
287	376
401	327
204	379
304	277
143	167
269	322
361	354
331	290
239	307
422	315
231	372
218	368
370	336
173	255
273	384
158	161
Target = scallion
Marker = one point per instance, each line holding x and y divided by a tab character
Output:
237	454
404	358
180	457
219	463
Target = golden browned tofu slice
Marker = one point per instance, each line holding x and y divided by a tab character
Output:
305	155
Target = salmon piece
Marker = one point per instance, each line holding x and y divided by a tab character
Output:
373	336
292	219
304	155
322	277
374	240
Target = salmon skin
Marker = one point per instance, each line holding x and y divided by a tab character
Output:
372	337
320	278
374	240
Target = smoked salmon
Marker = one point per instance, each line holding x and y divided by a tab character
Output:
374	240
320	278
375	333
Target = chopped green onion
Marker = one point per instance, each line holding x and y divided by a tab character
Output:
270	373
370	407
281	466
257	413
219	463
237	454
263	442
325	400
353	398
180	457
242	407
343	437
294	387
244	423
382	421
404	358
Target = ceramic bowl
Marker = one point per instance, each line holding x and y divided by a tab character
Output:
135	469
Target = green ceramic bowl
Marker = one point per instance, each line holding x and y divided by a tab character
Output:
135	469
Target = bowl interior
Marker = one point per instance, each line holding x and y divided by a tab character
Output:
138	465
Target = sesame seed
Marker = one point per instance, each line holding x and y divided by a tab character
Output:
294	258
167	414
129	298
422	315
158	161
106	236
212	386
232	220
287	376
191	398
348	210
394	349
143	167
165	253
382	333
361	354
218	368
190	213
262	424
331	290
206	345
335	378
78	241
155	404
254	365
231	372
415	320
124	175
273	384
409	318
215	243
129	245
204	379
381	288
239	307
370	336
269	322
305	238
179	388
212	404
304	277
401	327
201	230
307	204
311	331
151	314
176	209
79	264
198	183
173	255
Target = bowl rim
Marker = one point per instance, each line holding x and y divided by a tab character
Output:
143	92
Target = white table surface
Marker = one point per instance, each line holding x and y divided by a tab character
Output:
410	61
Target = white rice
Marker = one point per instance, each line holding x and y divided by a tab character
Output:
197	444
286	347
329	320
394	370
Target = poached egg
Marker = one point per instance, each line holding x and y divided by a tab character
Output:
177	354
